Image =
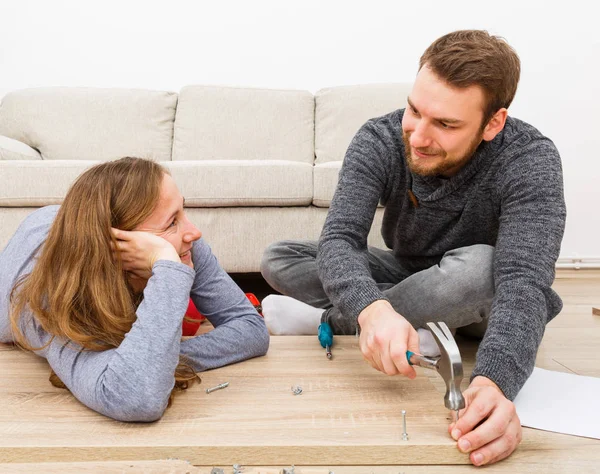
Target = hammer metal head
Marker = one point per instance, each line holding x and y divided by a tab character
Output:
449	365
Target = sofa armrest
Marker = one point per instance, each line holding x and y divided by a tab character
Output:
11	149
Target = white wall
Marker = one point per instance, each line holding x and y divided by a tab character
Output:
314	44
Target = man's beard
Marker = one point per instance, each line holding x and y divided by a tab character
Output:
453	164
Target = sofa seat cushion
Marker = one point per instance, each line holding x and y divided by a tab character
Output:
225	183
37	182
325	182
203	184
228	123
71	123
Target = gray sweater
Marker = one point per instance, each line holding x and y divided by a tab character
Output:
133	382
510	196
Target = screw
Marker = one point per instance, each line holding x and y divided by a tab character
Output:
297	390
404	433
218	387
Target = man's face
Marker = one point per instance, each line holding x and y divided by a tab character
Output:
442	125
170	222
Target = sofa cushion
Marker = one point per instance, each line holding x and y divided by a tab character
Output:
38	182
325	182
224	183
15	150
70	123
203	184
341	111
227	123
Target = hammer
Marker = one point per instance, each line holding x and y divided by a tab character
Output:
448	365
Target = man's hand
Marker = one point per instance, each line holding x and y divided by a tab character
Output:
139	250
385	337
488	427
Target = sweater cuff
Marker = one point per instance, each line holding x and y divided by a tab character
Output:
503	371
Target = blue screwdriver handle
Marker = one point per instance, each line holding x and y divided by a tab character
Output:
325	334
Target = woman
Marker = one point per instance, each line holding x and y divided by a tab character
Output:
99	287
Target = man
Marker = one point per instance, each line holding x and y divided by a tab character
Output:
474	217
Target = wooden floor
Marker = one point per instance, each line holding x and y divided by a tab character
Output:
347	420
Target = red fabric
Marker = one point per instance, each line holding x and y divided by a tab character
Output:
189	328
254	300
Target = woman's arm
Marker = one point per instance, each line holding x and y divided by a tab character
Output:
134	381
239	334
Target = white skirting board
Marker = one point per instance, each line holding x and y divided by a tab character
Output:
578	262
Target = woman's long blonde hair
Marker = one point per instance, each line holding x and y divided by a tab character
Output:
78	290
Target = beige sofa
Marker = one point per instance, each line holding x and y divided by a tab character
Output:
254	165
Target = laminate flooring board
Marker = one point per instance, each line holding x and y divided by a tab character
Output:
104	467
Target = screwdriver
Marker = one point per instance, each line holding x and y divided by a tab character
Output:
325	334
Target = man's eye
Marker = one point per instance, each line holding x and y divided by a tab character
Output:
174	223
445	125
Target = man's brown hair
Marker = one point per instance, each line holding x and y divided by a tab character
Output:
474	57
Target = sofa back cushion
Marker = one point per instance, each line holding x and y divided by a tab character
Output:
69	123
341	111
227	123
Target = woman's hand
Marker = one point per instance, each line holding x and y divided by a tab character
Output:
139	250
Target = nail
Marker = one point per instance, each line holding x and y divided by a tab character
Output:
464	445
456	433
478	458
218	387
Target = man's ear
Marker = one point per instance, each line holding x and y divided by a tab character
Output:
495	125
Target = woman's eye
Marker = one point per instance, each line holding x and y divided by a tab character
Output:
174	223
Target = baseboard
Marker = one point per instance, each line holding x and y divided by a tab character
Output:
578	262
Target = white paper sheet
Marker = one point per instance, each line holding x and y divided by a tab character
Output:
559	402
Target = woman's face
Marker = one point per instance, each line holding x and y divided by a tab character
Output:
170	222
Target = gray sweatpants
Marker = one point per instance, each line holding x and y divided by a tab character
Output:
458	291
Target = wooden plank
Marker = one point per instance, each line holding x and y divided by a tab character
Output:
348	413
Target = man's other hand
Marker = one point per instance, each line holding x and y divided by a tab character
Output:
489	427
385	337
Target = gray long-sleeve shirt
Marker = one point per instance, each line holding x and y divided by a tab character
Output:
133	381
510	196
